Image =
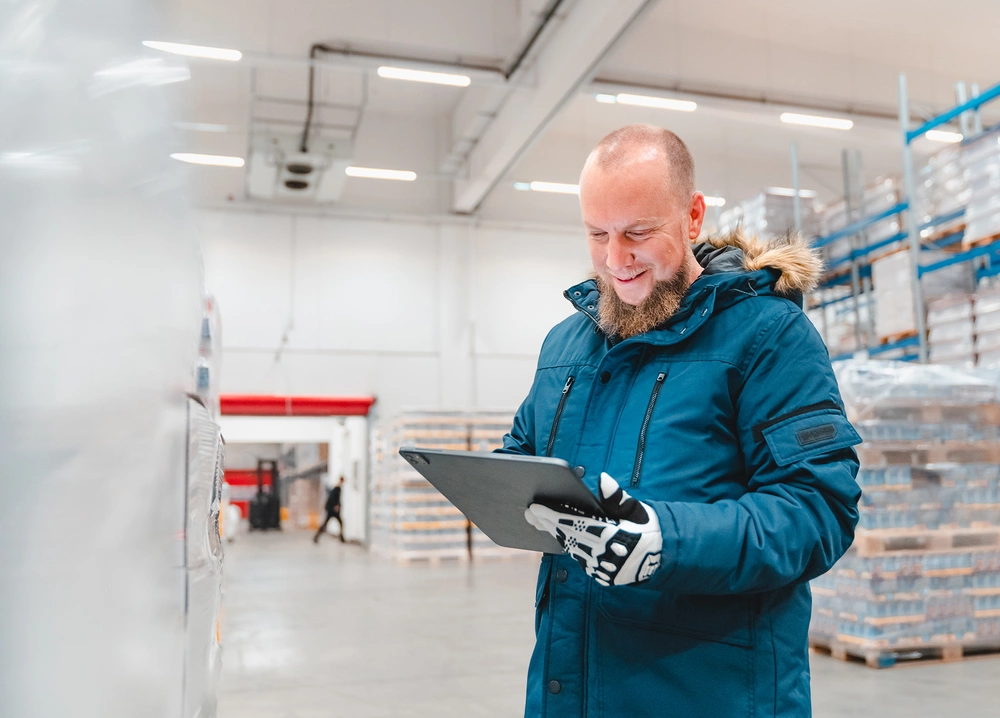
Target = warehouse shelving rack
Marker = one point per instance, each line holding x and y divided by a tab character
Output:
919	236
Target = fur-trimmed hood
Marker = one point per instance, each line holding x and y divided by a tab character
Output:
736	251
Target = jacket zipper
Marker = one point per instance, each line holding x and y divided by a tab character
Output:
559	411
637	469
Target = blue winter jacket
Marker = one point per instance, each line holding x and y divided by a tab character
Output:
727	420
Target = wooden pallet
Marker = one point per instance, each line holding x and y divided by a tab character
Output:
919	412
979	241
889	657
878	542
911	453
898	337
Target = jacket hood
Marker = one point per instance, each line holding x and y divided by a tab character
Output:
737	251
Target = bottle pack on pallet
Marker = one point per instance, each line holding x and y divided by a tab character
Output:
923	575
410	519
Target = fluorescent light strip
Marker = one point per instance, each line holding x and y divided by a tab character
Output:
662	103
711	201
832	123
200	127
211	160
789	192
556	187
944	136
606	99
208	53
436	78
374	173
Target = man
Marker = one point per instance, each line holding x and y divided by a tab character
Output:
695	398
332	511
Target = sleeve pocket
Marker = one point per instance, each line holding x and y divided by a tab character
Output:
813	434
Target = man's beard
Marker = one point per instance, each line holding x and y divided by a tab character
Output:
625	320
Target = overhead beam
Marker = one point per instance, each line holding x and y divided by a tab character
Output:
569	59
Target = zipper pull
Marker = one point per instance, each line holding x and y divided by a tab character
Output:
661	376
569	384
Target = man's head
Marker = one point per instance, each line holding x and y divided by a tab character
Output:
641	212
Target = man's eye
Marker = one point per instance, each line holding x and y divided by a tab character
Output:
638	235
598	235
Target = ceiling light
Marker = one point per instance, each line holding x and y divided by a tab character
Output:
557	187
209	53
715	201
606	99
789	192
373	173
213	160
200	127
944	136
437	78
833	123
663	103
522	186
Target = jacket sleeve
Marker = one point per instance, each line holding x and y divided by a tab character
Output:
800	510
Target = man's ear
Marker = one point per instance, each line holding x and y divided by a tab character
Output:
696	215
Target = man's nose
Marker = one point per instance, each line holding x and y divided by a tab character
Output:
619	253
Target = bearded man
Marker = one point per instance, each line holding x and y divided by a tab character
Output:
697	401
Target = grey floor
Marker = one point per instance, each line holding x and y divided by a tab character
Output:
323	631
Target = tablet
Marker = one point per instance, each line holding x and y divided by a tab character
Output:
493	490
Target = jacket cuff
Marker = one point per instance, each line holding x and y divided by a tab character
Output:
671	543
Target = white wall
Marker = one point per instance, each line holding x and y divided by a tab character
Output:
418	313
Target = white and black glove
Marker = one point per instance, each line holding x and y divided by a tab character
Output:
621	549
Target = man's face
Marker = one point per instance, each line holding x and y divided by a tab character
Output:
638	231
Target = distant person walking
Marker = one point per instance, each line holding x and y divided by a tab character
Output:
332	511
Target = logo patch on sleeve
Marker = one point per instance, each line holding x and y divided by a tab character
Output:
816	434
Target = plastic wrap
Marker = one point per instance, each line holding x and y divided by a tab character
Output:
769	213
893	280
981	164
100	282
924	571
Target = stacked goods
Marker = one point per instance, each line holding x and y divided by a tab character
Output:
923	575
892	277
942	192
981	164
410	519
951	331
878	198
770	213
987	313
836	320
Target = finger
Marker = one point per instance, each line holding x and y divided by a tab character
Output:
617	503
530	517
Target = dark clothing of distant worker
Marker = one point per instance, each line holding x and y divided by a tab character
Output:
332	512
728	422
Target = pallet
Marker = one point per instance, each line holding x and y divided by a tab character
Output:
979	241
889	657
916	411
879	542
898	337
903	453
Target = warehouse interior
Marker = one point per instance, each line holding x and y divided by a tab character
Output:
255	247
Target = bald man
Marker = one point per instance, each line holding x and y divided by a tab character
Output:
697	401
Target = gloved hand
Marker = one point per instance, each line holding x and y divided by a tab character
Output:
621	549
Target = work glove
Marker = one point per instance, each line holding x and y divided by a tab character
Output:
618	550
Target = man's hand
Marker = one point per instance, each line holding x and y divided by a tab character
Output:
621	549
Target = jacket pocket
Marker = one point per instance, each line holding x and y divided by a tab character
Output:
804	436
559	412
640	451
693	654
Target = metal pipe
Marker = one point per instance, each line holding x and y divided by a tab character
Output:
913	231
960	99
547	16
977	115
845	160
866	282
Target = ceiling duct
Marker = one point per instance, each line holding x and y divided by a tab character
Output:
279	170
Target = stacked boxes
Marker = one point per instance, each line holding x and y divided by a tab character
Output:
879	197
923	574
941	191
951	331
770	213
981	164
987	313
410	519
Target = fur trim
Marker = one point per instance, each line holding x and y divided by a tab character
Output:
800	264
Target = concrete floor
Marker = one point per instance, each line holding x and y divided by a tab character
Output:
320	631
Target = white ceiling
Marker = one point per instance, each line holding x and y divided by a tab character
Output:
743	61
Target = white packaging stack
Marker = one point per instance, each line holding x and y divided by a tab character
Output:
923	575
880	197
981	164
769	213
987	312
410	519
951	331
942	191
892	277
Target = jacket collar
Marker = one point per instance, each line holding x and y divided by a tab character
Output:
735	267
